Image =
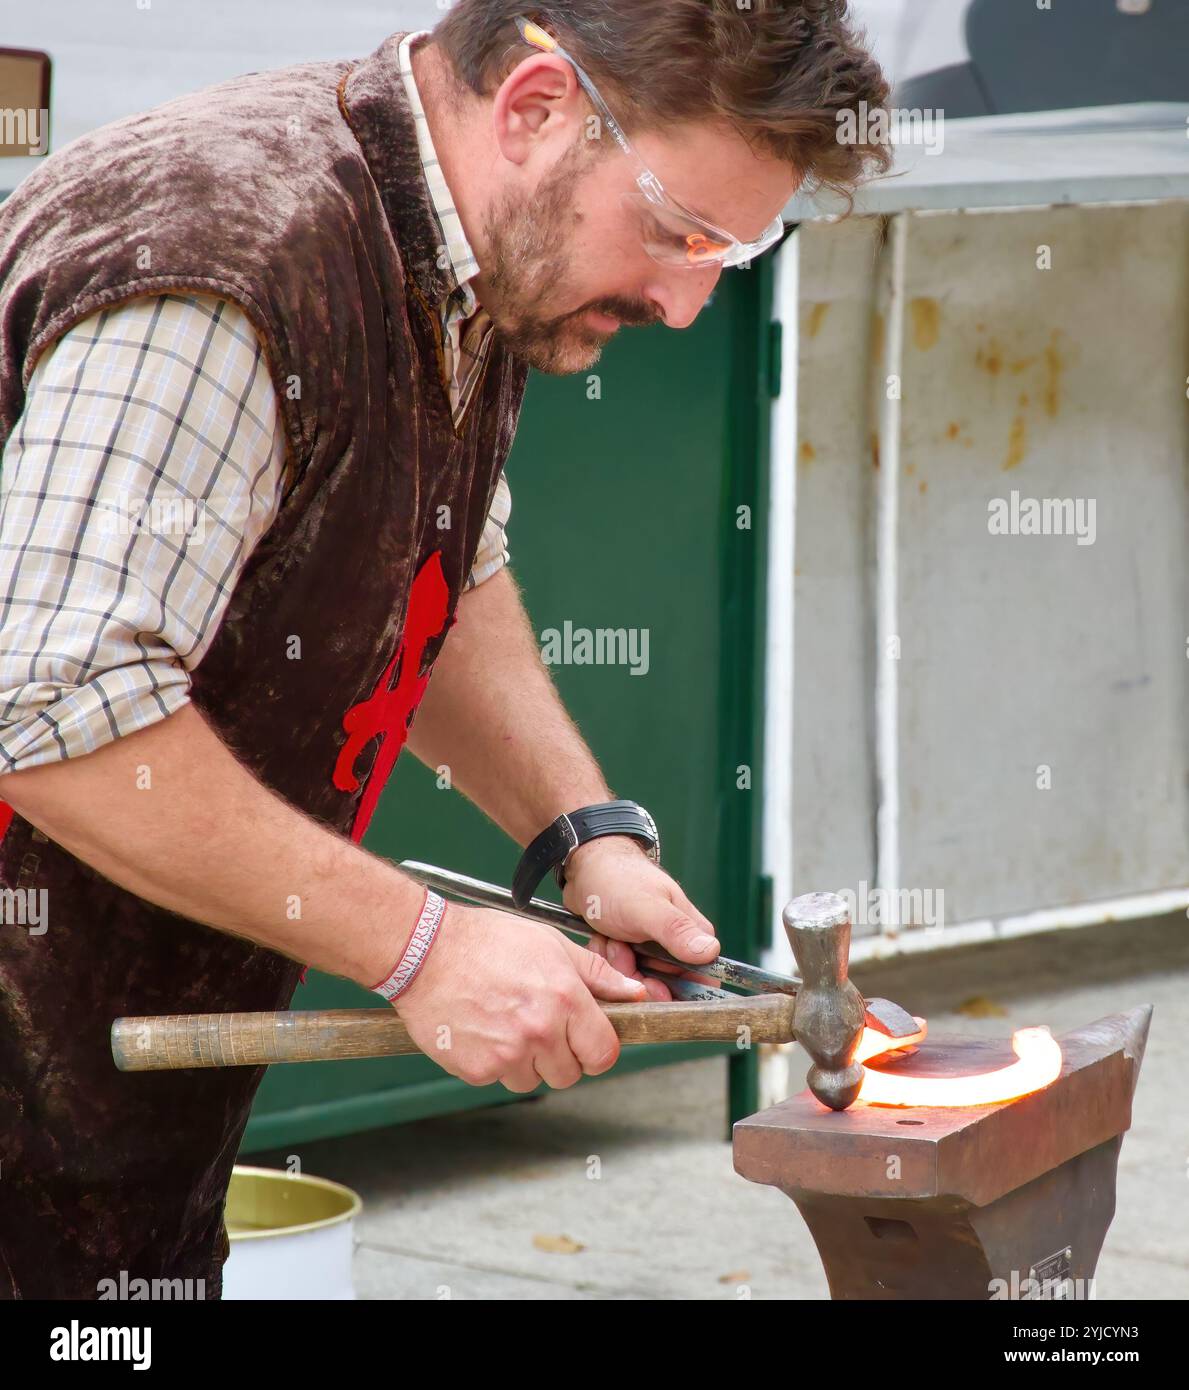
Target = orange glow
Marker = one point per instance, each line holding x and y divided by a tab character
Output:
873	1042
699	246
1038	1064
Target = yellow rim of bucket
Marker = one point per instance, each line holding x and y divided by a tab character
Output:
355	1203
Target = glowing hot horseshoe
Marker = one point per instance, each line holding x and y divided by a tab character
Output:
1038	1064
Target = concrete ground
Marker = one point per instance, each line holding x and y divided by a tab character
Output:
624	1189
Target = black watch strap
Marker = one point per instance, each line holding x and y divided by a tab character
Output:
554	845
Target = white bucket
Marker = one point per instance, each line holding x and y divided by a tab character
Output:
292	1236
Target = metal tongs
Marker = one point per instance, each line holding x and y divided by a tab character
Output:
882	1014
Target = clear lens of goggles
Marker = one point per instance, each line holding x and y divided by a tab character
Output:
678	239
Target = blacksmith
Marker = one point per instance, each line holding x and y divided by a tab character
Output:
304	304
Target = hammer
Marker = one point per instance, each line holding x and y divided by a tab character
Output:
829	1014
826	1014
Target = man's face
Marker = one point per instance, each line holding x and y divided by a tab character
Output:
565	262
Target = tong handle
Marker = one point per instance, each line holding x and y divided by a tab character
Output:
733	972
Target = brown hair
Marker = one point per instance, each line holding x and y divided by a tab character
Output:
782	72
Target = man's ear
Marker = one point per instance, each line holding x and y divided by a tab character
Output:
537	102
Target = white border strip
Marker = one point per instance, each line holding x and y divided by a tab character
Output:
925	940
777	842
887	670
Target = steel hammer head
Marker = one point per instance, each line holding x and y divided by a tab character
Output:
830	1013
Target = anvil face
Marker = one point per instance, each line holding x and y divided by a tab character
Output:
939	1203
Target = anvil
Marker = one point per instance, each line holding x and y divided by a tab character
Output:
988	1201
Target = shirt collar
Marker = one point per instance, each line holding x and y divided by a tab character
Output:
462	265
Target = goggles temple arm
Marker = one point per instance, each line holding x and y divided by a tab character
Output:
584	81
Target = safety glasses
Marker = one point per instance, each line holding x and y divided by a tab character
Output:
672	234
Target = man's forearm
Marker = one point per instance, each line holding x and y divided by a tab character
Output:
201	836
492	715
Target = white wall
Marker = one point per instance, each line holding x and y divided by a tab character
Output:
112	58
914	36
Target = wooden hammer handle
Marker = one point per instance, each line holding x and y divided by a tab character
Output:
174	1041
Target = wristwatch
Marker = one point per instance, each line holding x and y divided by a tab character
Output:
554	845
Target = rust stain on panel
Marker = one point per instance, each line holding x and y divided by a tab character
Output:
808	452
815	318
1017	444
990	358
926	322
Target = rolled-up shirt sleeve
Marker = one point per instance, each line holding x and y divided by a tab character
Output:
145	467
492	554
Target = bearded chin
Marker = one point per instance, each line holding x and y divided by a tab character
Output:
528	270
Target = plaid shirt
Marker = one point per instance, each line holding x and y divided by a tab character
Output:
145	468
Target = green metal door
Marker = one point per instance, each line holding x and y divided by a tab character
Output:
639	503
